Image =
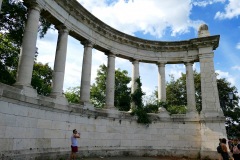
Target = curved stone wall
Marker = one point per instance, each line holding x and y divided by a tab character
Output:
33	126
39	128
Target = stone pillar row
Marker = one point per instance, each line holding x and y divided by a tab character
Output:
26	61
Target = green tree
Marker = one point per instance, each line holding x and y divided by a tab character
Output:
98	89
42	78
177	99
12	22
137	99
13	18
73	94
122	91
230	109
8	60
176	92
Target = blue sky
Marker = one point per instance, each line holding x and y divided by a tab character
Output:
162	20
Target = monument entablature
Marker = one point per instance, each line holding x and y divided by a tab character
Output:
84	26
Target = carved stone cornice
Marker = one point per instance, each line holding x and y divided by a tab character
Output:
81	14
84	26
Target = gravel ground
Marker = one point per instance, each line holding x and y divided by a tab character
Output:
134	158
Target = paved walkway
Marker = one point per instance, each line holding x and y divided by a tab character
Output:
133	158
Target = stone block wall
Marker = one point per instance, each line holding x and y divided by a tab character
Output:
37	127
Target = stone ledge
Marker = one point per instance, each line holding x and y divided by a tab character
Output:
140	152
48	103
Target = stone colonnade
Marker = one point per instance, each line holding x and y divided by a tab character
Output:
25	68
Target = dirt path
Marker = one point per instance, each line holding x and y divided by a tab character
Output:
135	158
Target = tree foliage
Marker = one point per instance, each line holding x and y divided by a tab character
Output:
177	100
12	23
13	18
8	60
73	94
42	78
122	91
231	109
137	100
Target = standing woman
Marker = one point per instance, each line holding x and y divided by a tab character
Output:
74	144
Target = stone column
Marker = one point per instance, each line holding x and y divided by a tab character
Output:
135	74
210	97
110	85
59	63
191	100
27	53
161	82
86	72
212	118
0	5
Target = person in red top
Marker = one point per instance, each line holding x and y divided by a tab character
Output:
74	144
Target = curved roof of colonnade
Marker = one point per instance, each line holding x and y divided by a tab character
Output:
84	26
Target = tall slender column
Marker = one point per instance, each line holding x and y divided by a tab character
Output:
161	82
86	72
191	100
0	5
110	88
135	74
60	61
28	49
210	97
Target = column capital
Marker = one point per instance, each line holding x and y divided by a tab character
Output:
62	28
87	43
35	6
161	64
110	54
188	63
206	55
134	61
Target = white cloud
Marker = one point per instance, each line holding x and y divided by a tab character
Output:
176	70
238	46
236	68
153	16
232	10
226	75
204	3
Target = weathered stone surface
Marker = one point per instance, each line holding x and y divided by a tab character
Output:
45	129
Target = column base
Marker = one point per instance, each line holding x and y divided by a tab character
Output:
59	99
27	90
192	115
88	106
211	113
163	113
110	107
113	113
